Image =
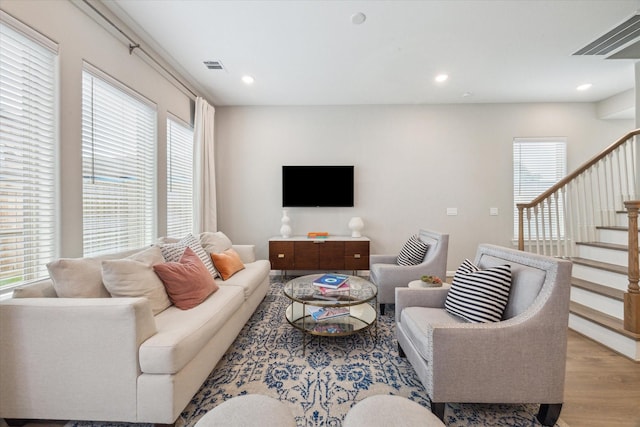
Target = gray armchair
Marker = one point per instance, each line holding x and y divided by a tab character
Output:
387	275
520	359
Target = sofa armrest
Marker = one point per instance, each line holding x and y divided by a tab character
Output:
420	297
247	252
69	358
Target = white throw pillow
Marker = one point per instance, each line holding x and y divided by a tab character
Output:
215	243
134	277
479	296
77	278
172	252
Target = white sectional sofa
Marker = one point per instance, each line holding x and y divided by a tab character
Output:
111	359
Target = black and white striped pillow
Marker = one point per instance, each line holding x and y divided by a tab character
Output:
479	296
172	252
413	251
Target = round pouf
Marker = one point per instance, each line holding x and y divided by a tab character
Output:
248	411
388	410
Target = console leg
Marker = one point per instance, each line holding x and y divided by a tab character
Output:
437	408
549	413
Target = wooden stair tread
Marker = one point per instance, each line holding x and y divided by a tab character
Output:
613	227
601	265
599	289
612	246
604	320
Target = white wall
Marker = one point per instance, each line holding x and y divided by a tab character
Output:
81	39
411	163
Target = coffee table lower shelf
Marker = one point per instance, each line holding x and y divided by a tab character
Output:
361	317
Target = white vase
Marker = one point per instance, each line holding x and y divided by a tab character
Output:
356	225
285	229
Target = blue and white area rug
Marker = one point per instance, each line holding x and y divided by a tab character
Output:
323	384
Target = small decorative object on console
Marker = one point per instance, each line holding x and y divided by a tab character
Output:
356	225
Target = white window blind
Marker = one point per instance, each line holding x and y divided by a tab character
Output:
538	163
118	158
27	154
179	178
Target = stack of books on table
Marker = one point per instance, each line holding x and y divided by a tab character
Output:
318	235
325	313
332	285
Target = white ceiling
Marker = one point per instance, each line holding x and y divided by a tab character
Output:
308	52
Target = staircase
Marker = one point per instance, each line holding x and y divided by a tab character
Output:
600	270
587	217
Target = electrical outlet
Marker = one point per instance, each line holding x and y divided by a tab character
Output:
493	211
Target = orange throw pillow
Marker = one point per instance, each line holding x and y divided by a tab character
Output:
227	263
188	282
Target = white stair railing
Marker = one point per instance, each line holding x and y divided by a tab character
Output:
589	197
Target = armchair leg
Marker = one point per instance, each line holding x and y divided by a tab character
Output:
437	408
549	413
15	422
401	352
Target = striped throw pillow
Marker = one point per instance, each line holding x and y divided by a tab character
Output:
479	296
413	251
172	252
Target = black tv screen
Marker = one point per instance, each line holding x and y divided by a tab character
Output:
317	186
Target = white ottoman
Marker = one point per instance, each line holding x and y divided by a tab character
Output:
250	410
387	410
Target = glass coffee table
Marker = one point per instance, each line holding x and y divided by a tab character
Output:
354	305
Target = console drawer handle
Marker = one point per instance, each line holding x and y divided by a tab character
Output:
356	256
318	241
280	255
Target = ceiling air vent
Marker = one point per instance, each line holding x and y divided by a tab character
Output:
624	33
214	65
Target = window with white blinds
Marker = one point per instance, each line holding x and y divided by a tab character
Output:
179	178
538	163
118	166
27	154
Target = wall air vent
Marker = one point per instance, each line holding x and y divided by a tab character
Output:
620	36
214	65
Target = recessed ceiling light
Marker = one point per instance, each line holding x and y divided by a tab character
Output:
248	80
441	78
358	18
584	86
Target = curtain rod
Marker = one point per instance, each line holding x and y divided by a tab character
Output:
133	45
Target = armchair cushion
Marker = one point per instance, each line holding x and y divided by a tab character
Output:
479	296
413	251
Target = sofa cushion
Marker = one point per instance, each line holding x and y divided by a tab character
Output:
77	278
479	295
134	277
412	252
250	278
215	242
182	334
187	281
227	263
417	321
172	252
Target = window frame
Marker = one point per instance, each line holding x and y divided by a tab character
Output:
40	173
555	144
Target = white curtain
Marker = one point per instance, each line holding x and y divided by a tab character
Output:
204	172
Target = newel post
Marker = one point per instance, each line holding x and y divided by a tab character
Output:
632	296
520	226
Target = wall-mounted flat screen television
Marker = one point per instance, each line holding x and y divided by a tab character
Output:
317	186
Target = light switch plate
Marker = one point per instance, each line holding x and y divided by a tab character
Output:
452	211
493	211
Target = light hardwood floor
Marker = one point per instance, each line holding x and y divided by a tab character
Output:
602	388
